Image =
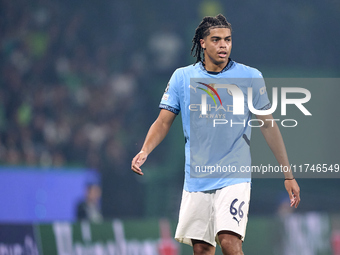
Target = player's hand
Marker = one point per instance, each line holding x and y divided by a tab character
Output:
138	161
293	190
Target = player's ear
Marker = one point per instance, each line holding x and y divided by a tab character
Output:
202	42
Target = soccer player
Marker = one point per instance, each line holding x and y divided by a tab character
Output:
215	209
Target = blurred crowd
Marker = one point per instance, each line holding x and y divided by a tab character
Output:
72	83
75	75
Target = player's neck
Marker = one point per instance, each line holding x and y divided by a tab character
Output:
212	67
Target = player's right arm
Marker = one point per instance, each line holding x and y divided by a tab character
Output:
157	132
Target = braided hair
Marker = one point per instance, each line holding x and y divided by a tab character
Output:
203	30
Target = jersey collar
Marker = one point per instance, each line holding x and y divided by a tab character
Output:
226	68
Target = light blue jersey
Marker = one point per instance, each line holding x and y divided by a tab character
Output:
216	122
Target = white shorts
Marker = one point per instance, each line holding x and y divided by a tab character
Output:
204	214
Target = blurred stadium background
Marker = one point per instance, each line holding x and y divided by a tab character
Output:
80	85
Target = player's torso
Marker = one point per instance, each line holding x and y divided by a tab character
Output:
208	101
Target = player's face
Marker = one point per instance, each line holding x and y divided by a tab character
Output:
217	47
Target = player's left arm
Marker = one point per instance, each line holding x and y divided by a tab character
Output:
273	137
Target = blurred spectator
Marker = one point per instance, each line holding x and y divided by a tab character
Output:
166	48
284	209
89	209
335	241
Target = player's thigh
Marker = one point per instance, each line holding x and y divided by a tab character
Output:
230	242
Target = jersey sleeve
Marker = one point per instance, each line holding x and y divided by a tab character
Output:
260	96
170	100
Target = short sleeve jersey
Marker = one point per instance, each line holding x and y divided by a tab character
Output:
218	137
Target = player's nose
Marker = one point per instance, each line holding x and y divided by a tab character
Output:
223	44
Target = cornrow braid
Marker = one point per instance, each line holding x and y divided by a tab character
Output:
203	30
